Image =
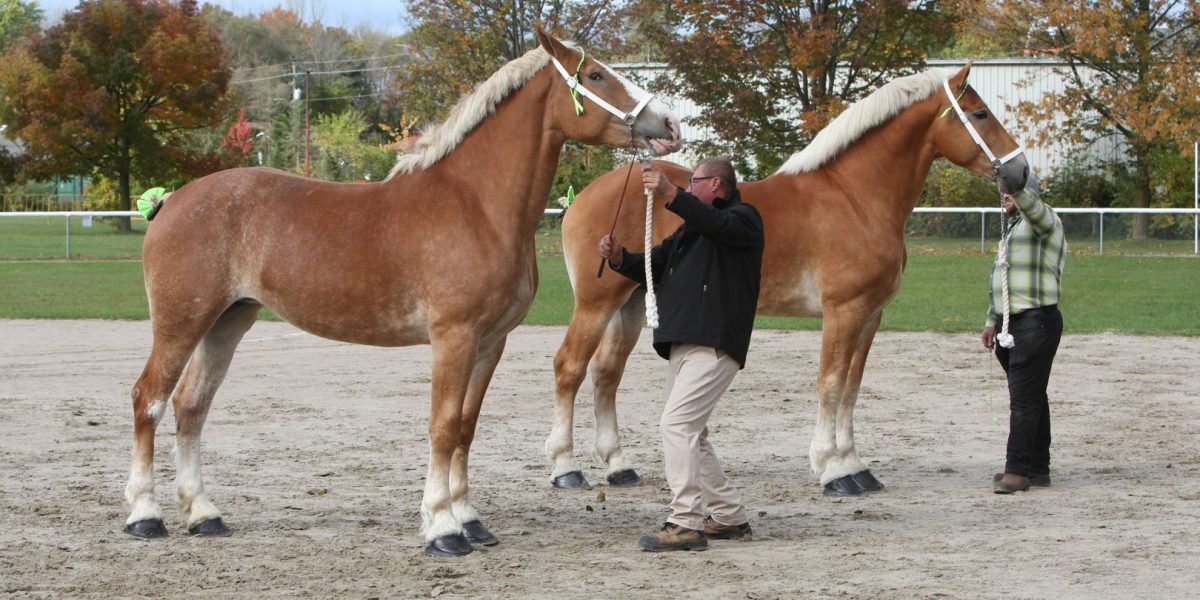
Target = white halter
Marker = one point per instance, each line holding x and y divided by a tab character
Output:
577	86
1004	338
996	162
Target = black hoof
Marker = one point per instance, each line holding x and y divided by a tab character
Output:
572	481
210	527
146	529
625	478
843	486
867	481
478	534
453	545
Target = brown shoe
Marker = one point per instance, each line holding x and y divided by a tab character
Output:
673	537
718	531
1035	479
1011	482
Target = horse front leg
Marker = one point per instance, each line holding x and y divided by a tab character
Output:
841	337
608	367
481	377
847	451
453	362
570	368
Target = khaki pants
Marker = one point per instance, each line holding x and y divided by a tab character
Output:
696	379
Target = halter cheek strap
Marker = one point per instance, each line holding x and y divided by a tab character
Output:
996	162
577	88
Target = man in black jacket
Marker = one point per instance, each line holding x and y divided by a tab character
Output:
706	275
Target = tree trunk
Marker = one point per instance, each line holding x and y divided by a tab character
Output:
123	223
1141	194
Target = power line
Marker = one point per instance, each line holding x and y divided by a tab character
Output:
297	74
325	62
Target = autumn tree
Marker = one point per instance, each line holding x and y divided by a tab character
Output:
114	88
1130	68
759	67
455	44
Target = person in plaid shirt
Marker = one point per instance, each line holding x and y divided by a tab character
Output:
1036	253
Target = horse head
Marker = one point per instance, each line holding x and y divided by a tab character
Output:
969	135
596	105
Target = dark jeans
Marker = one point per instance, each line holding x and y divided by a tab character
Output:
1036	333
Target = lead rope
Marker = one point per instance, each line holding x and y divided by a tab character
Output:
1004	338
651	299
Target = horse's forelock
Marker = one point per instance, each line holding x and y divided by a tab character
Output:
863	116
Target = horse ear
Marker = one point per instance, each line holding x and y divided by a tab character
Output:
959	81
548	42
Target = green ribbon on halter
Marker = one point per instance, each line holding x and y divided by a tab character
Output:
574	93
570	196
951	107
149	198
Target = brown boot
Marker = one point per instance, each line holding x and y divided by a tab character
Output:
673	537
718	531
1011	482
1035	479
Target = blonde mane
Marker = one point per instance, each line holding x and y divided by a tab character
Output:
862	116
472	109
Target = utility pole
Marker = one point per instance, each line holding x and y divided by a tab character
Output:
307	164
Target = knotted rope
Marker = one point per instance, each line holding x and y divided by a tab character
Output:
651	299
1004	338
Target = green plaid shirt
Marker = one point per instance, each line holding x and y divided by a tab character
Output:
1037	253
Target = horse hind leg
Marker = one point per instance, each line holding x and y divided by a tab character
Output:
570	368
608	367
204	374
173	345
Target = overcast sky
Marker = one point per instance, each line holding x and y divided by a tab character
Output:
381	15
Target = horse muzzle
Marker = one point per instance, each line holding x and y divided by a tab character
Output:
658	131
1012	175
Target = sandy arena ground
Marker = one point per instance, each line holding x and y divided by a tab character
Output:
315	451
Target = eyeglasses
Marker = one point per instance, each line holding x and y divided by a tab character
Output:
696	179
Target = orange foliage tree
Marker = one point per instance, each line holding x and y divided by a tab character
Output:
758	67
113	89
1130	68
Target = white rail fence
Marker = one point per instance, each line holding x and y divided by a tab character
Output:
1085	225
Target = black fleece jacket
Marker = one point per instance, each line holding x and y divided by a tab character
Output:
706	275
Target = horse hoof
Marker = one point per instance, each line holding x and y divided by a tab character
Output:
209	527
572	481
867	481
146	529
843	486
625	478
478	534
452	545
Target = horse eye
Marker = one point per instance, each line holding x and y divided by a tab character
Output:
595	76
980	114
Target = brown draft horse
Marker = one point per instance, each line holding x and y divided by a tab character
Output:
834	217
440	253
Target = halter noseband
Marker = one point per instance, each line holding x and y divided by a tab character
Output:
996	162
577	88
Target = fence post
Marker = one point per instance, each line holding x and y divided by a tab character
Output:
982	233
1196	197
68	235
1101	233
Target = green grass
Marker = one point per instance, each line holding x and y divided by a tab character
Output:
45	238
944	287
1148	296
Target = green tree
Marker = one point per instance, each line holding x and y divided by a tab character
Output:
1130	70
115	87
17	20
757	67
